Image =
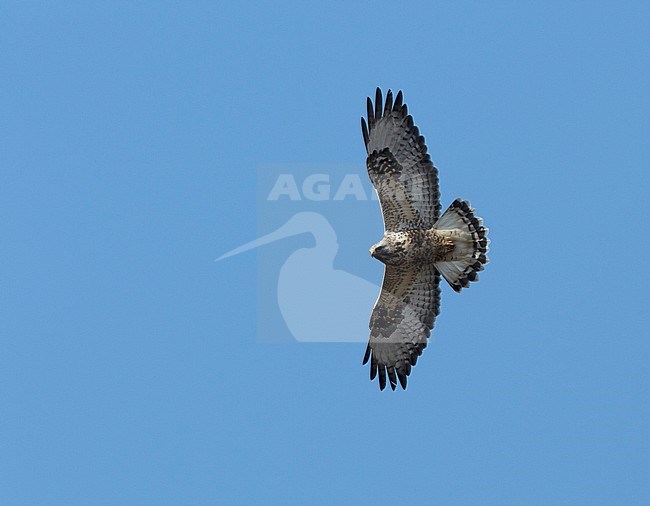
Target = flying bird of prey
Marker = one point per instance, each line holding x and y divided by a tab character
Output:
418	245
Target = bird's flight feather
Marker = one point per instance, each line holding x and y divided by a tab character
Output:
407	185
399	166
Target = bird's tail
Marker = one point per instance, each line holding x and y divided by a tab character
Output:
470	244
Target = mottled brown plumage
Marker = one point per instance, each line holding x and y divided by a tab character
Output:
418	245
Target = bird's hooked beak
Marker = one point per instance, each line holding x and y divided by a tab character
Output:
377	250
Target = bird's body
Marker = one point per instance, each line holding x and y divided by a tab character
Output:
414	247
419	246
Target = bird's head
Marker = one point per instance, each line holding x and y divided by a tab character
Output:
386	252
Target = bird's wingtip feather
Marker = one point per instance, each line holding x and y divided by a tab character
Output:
367	355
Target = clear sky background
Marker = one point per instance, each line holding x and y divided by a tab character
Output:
130	368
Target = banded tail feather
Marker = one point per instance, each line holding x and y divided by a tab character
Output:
470	245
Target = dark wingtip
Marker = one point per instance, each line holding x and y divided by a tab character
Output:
398	101
364	131
392	377
389	103
378	104
382	377
373	369
371	113
402	379
367	355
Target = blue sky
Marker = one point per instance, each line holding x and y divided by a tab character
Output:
132	369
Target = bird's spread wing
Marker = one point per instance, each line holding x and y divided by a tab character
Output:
402	321
399	167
